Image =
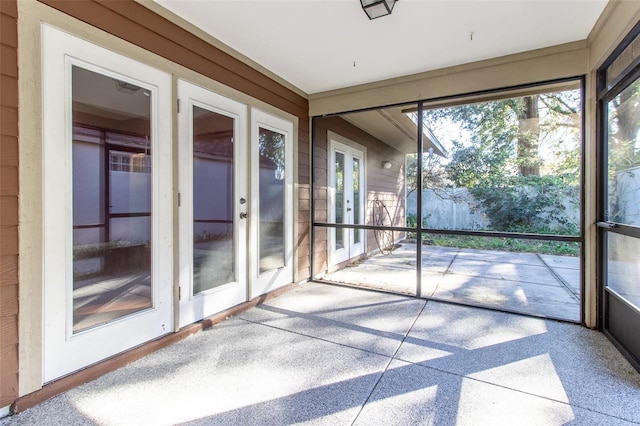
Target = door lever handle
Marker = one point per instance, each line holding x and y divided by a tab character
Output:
607	225
243	215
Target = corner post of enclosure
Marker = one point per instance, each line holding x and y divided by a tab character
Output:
312	202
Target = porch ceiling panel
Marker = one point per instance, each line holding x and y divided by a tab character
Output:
321	45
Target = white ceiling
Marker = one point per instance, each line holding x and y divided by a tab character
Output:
320	45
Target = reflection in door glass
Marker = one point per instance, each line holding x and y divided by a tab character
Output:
356	199
111	199
624	157
213	242
272	189
623	192
339	204
623	269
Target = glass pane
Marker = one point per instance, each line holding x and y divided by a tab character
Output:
213	183
356	200
111	199
510	164
624	157
623	268
339	205
272	190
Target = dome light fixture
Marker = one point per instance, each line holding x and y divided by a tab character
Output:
377	8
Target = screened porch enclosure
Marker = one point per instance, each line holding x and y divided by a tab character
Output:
481	206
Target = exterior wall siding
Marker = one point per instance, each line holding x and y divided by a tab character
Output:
304	201
8	202
386	185
144	35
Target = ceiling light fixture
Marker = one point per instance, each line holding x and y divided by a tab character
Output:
377	8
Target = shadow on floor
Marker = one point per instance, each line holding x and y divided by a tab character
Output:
333	355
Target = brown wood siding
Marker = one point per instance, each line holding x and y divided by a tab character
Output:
304	201
8	202
386	185
138	25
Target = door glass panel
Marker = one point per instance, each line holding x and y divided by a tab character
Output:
356	199
272	191
623	269
213	213
111	199
339	204
624	157
623	192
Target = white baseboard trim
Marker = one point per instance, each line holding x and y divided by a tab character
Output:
5	411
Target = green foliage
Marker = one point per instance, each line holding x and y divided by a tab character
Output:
504	244
533	204
491	243
412	220
481	165
500	160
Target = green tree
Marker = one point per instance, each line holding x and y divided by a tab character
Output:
501	161
623	154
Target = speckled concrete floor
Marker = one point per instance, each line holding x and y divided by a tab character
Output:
331	355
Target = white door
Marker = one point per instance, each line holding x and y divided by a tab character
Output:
213	202
346	201
271	252
107	203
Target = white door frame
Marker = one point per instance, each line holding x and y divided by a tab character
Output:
63	350
192	307
351	150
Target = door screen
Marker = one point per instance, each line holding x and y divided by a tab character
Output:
620	197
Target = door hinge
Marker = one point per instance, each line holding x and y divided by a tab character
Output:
179	293
179	199
178	104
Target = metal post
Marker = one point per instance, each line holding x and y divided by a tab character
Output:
419	202
312	203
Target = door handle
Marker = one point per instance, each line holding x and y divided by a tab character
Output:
607	225
243	215
348	209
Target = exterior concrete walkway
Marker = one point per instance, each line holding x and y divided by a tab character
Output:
534	284
330	355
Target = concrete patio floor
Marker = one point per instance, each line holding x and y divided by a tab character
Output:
534	284
331	355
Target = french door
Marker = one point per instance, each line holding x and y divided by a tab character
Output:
620	201
236	221
107	203
214	202
346	200
271	212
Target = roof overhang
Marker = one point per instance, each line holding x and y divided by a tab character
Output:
395	127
